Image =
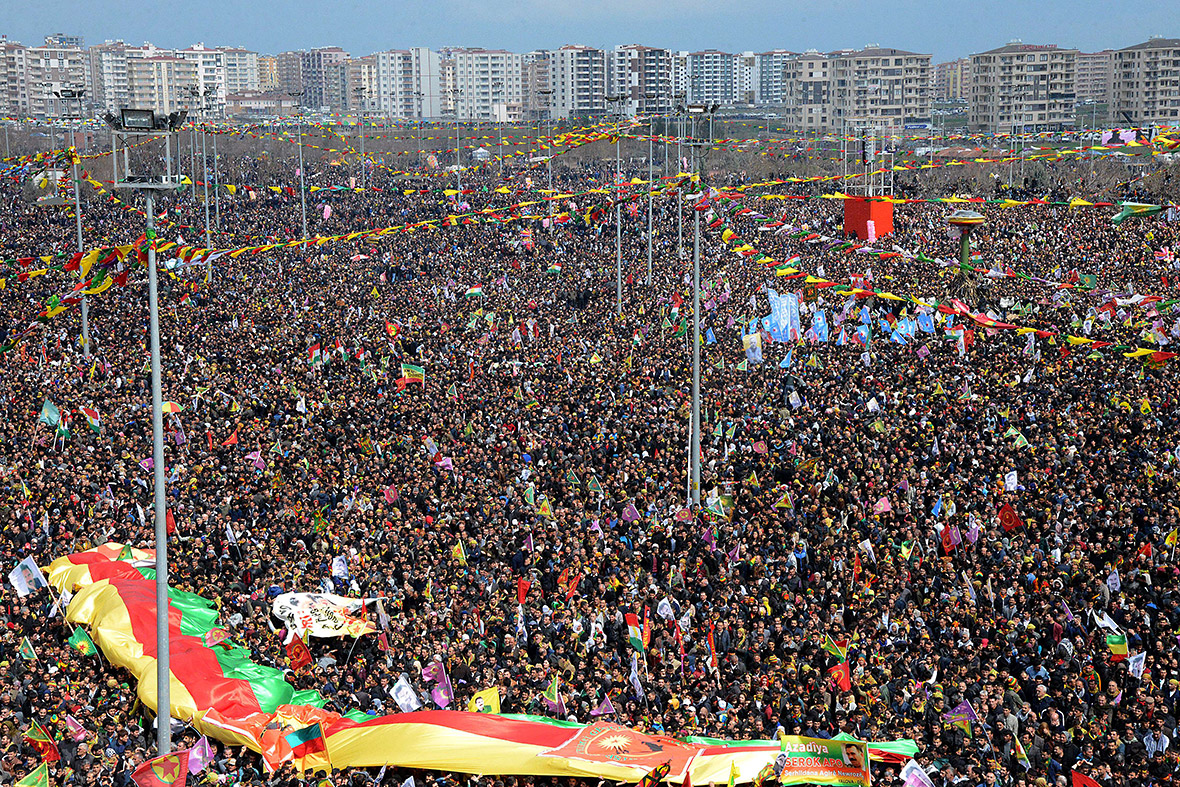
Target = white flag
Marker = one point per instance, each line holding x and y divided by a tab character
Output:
635	682
1135	665
1010	481
664	609
409	782
405	696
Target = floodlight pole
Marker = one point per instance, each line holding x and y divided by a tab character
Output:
76	94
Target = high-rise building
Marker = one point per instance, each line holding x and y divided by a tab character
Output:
952	80
1023	87
108	64
709	77
65	41
241	70
407	83
488	82
577	76
50	68
268	73
211	77
163	83
879	87
1146	84
807	92
535	88
643	75
768	76
14	77
305	72
1095	76
351	85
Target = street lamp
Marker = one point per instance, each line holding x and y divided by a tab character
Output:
299	132
695	441
650	181
64	95
497	88
455	93
360	94
548	94
680	111
618	102
418	102
129	124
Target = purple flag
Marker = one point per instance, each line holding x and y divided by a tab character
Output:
630	513
735	552
442	693
605	708
528	542
199	756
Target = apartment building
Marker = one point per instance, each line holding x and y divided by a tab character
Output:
952	80
1146	82
643	75
485	83
164	83
50	68
14	78
807	94
268	73
1023	87
1095	76
241	70
535	87
211	80
351	85
577	76
879	87
304	71
256	103
710	77
768	76
407	83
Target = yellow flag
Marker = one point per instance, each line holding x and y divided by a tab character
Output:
1145	406
459	553
374	293
486	701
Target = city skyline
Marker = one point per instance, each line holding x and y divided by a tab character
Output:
694	25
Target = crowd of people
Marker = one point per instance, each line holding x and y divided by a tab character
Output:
545	388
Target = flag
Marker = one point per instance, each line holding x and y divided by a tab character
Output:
837	649
405	696
77	731
38	778
92	418
486	701
199	756
392	329
1082	780
40	740
552	697
232	439
1118	646
298	652
81	642
545	509
656	775
443	694
459	553
841	676
1009	519
50	415
636	683
474	292
308	740
413	374
314	354
634	633
1022	755
554	268
605	708
26	650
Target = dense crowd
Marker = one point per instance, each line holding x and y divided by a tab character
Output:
541	386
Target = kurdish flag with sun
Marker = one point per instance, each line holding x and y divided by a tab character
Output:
475	291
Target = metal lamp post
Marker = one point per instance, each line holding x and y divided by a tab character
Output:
497	91
548	94
76	94
617	101
650	182
360	94
129	124
299	134
695	442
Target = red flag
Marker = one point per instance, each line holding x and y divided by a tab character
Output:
171	770
169	521
841	676
522	590
298	653
948	544
1082	780
1009	519
232	439
209	436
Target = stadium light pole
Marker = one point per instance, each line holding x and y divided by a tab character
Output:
548	94
498	92
135	123
618	102
650	181
360	94
299	134
76	94
695	442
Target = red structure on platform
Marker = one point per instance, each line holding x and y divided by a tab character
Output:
859	211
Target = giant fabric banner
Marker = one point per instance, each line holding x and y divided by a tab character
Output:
322	614
226	696
840	763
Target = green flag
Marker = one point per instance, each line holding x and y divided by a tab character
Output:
26	651
82	642
38	778
50	415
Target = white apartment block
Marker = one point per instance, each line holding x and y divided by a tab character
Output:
241	70
807	92
211	81
577	77
1146	83
768	76
881	88
50	68
535	86
14	78
162	83
488	82
709	77
1095	76
643	75
108	64
1023	87
408	83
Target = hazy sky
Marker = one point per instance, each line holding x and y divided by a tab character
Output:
946	28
